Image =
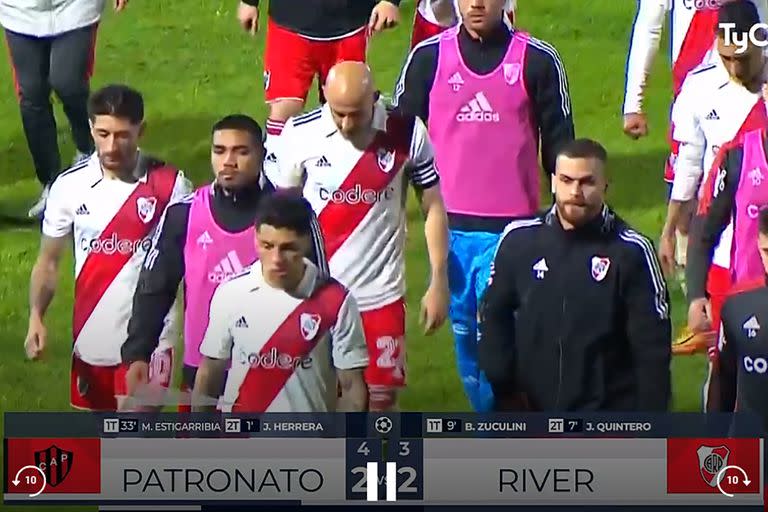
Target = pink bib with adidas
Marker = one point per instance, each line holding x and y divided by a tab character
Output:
482	129
211	256
751	196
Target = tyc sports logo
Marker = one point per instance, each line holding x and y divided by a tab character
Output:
114	245
757	36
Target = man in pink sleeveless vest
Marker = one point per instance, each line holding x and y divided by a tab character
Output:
740	192
205	239
493	97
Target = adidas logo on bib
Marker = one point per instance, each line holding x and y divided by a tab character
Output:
478	110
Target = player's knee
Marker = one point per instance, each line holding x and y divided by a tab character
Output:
382	398
281	110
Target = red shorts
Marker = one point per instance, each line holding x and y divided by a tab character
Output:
292	61
96	388
385	334
423	29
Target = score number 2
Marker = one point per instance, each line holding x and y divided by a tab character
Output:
405	487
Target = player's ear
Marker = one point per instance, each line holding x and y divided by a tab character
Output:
142	127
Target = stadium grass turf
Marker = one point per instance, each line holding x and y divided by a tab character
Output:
194	65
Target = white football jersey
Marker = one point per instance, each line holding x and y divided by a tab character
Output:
711	110
692	40
358	195
112	223
284	349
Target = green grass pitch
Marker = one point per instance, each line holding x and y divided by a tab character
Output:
194	65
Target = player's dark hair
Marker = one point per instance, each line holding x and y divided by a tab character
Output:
117	100
243	123
286	209
741	13
584	148
762	220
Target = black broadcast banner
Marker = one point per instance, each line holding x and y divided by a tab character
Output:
365	425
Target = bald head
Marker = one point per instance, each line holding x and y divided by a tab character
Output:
349	83
350	93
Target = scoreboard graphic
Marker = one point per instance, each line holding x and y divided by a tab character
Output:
358	459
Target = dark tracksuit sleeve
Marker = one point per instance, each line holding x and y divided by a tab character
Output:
710	226
158	285
547	85
649	329
411	94
496	350
726	376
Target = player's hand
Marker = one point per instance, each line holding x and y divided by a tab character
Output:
136	377
636	125
120	5
385	15
700	316
37	335
248	17
434	306
667	251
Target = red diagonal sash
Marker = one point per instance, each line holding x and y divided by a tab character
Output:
698	40
262	385
339	220
100	269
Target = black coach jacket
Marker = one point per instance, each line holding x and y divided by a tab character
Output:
577	320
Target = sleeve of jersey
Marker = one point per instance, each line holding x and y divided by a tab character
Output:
411	94
547	80
713	222
217	342
649	328
496	350
286	171
181	188
689	163
348	340
643	47
58	217
422	173
158	287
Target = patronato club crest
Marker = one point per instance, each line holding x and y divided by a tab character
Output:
600	268
55	464
146	208
712	459
385	159
310	324
511	73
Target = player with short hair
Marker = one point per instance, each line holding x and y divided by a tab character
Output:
205	239
110	204
719	102
497	105
743	344
354	159
289	330
433	16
